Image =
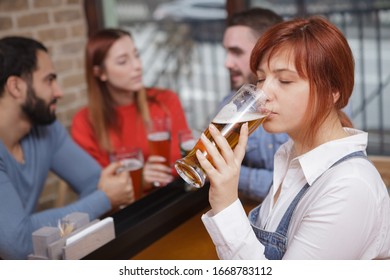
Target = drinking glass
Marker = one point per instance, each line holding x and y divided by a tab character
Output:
159	138
132	161
187	140
248	105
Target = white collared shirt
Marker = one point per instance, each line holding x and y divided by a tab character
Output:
344	215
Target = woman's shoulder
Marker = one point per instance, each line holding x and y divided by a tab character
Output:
80	120
358	175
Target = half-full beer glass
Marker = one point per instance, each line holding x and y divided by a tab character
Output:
132	161
159	138
248	105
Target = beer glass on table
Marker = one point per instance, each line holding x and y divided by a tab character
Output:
248	105
132	160
159	138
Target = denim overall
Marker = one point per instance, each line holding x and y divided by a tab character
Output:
275	243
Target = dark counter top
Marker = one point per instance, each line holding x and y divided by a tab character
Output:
148	219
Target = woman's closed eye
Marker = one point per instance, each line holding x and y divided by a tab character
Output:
122	60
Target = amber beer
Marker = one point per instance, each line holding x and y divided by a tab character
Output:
249	105
134	166
189	167
160	145
132	161
187	146
187	140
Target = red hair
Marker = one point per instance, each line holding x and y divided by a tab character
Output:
322	56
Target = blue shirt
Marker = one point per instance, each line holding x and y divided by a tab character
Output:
45	148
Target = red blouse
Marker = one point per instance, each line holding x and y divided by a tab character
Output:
133	132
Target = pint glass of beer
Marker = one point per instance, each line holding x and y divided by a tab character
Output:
248	105
159	138
187	141
132	161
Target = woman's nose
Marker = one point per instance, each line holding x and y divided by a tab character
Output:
266	86
137	63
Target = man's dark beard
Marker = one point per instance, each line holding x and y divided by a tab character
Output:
37	110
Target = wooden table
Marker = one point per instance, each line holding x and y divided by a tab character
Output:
189	241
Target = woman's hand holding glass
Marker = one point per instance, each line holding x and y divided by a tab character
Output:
156	171
225	171
248	105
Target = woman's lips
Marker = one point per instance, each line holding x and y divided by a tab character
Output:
137	79
271	115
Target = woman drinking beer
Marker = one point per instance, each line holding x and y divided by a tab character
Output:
327	200
120	108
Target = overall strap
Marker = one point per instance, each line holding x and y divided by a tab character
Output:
285	222
351	155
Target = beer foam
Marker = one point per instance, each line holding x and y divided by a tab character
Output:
226	113
230	117
131	164
188	145
159	136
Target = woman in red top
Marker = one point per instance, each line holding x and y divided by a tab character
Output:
120	108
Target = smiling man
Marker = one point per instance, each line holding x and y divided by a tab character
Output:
32	143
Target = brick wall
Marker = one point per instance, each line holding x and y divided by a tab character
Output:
61	26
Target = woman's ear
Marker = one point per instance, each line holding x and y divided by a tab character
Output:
336	96
97	72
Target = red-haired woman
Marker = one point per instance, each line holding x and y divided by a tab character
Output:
120	108
327	200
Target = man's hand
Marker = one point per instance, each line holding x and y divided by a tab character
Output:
117	186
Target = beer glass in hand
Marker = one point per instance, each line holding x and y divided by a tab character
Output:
248	105
159	138
187	141
132	160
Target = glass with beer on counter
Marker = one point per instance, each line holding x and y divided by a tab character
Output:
248	105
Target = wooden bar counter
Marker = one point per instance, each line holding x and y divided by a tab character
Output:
189	241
